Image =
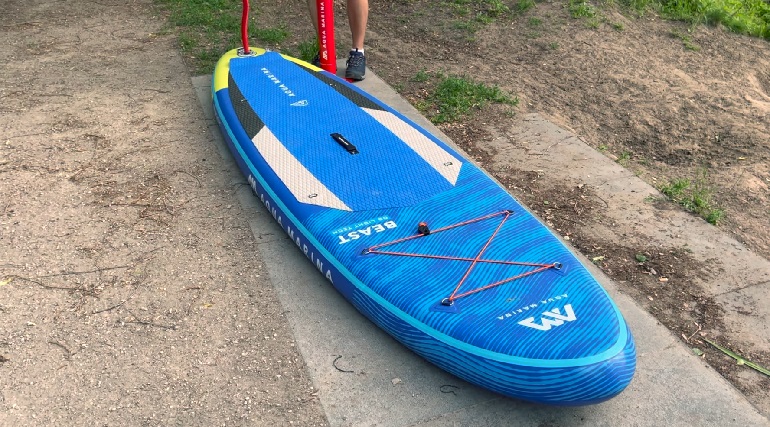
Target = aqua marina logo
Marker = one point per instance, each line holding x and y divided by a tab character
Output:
551	318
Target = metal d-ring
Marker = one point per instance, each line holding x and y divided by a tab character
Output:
447	302
557	265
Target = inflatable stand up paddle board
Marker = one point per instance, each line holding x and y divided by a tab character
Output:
418	238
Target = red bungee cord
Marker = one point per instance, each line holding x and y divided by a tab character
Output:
423	231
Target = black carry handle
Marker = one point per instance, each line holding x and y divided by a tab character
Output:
341	140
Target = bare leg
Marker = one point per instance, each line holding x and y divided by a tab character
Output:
358	13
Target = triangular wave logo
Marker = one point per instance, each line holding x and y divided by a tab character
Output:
302	103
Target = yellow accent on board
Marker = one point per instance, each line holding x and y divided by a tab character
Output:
222	69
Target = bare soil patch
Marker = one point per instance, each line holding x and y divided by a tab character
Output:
131	289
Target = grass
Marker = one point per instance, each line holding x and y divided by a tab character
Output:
453	98
535	22
581	9
750	17
472	15
208	28
524	5
686	40
272	36
624	158
694	196
307	50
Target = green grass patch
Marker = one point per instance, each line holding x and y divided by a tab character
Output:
422	76
586	11
581	9
686	40
640	7
271	36
741	16
472	15
306	50
209	28
452	98
624	158
694	196
751	17
532	35
524	5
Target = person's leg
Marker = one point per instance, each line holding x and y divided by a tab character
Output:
358	14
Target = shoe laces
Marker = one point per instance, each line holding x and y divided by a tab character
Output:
355	59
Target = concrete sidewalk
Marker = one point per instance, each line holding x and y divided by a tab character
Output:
365	378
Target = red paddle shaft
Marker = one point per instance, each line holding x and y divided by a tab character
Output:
326	50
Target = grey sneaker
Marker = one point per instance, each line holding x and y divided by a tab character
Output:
356	66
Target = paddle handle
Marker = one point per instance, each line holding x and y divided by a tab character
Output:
326	50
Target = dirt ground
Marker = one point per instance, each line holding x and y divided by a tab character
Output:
121	300
131	289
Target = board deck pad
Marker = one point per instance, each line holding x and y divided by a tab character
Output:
353	179
483	289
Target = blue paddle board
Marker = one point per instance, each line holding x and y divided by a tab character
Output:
419	239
